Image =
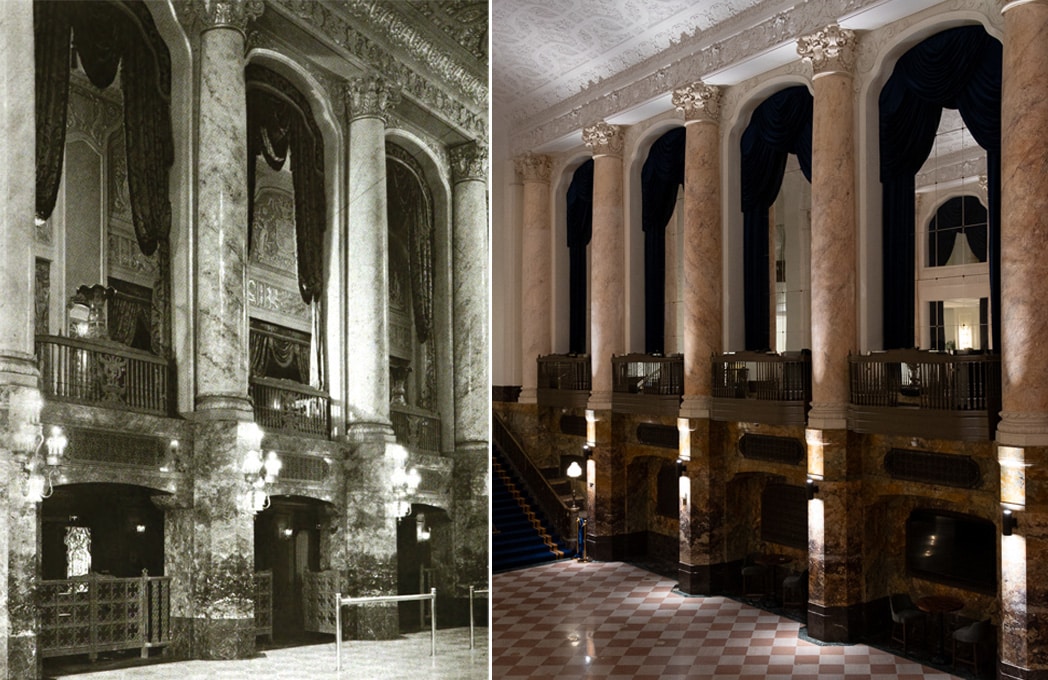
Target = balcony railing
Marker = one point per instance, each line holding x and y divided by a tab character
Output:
415	428
564	380
647	384
921	393
92	614
290	407
774	389
103	373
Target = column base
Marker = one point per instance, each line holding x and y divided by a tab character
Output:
1006	671
702	579
22	659
224	639
835	624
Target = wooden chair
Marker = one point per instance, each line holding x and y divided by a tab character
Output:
751	571
795	590
904	615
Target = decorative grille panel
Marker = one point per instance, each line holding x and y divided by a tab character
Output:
930	467
665	436
115	447
573	425
784	515
771	448
303	468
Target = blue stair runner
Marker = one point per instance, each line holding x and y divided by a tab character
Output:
520	533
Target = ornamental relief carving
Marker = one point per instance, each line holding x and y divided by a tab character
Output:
119	191
90	112
273	236
126	258
270	297
469	161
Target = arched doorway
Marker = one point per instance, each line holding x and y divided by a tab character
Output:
423	539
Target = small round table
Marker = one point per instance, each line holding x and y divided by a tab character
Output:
940	605
773	560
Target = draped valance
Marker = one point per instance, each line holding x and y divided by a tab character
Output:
781	125
959	68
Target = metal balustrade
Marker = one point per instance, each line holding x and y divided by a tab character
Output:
648	374
92	614
103	373
415	428
564	372
767	377
285	406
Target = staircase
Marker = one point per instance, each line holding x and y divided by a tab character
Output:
521	536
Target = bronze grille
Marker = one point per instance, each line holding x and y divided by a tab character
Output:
573	425
771	448
665	436
930	467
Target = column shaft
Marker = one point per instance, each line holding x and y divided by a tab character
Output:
535	271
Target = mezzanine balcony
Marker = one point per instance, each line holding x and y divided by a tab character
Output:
758	387
291	408
564	380
647	384
926	394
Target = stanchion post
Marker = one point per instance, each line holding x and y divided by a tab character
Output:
338	631
433	622
471	616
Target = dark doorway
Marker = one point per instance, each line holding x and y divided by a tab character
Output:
287	541
417	570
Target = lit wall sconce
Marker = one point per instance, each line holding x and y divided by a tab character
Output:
404	482
1008	522
171	461
574	472
587	451
286	533
258	472
682	468
812	488
421	530
140	528
40	468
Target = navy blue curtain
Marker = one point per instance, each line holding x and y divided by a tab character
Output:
781	125
580	229
662	174
958	69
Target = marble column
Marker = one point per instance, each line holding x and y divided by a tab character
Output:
470	498
535	272
701	548
607	523
1022	435
20	401
213	601
835	538
370	522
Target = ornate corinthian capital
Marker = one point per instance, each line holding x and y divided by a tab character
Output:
227	13
698	101
469	161
533	167
603	139
830	50
370	97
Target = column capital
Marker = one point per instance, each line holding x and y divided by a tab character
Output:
829	50
469	161
533	167
370	97
698	102
1012	4
233	14
604	139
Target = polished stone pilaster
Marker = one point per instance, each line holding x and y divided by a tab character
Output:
221	349
470	499
536	291
19	395
606	492
835	526
701	504
700	104
607	264
368	99
1022	434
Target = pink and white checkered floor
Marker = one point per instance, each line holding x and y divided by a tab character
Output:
614	621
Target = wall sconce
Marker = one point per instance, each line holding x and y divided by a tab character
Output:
574	472
1008	522
171	461
682	468
286	533
405	482
140	528
421	530
812	488
587	451
259	473
41	468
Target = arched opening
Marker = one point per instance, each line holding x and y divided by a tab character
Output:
424	559
580	230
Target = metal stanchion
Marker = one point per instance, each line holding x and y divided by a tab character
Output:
340	601
473	591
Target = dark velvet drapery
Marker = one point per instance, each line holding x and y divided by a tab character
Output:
580	229
280	120
409	200
959	68
781	125
661	176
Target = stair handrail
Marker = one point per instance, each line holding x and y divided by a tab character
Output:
551	504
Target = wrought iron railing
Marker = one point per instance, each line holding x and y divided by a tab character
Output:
926	380
287	406
648	374
103	373
415	428
767	377
565	372
264	603
92	614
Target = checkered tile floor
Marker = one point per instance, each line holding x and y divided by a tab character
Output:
613	621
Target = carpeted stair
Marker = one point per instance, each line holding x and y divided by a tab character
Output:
521	536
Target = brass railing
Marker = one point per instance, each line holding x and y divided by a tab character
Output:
757	375
287	406
103	373
264	603
648	374
564	372
92	614
415	428
927	380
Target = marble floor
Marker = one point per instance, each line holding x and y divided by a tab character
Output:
406	657
614	621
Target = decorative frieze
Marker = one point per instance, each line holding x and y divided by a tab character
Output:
829	50
369	97
603	139
42	296
124	254
469	161
233	14
533	167
698	102
91	112
273	241
272	298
